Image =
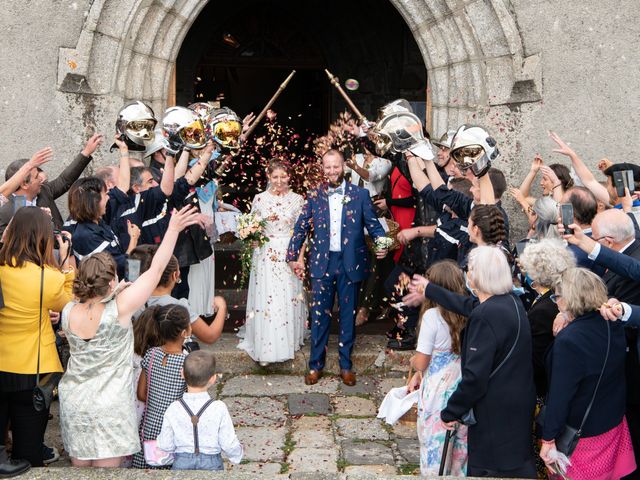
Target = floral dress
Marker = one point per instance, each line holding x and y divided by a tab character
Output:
440	381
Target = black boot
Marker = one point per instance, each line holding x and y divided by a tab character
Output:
405	340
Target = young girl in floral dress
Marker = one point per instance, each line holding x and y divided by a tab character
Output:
437	364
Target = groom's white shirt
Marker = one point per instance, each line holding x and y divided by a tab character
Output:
335	219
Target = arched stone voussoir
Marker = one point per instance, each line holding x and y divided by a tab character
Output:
472	50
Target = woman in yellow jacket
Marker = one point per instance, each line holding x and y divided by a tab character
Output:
27	249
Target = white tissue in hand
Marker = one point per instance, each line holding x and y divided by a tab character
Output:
560	459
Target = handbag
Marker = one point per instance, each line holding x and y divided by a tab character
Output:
469	418
568	439
43	393
152	454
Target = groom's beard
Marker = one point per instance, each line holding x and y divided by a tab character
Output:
337	183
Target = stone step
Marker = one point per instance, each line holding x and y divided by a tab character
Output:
351	473
369	354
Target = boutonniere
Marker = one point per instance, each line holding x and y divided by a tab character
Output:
346	199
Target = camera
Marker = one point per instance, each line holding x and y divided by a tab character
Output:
56	233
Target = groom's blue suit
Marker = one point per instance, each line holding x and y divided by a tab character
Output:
340	270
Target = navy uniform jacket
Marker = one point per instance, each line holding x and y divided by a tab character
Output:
146	210
89	238
462	205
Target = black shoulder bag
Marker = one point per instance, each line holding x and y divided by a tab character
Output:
567	441
43	393
469	418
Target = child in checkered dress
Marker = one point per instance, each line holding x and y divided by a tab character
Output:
161	381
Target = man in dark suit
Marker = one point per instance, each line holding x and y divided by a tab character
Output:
614	229
339	213
42	193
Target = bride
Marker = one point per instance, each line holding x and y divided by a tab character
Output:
276	303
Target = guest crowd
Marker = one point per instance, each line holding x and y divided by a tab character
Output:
527	354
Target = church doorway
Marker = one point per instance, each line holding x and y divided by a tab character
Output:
240	52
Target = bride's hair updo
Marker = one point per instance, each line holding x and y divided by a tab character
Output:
278	165
94	275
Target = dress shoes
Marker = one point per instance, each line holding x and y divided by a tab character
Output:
348	377
13	468
312	377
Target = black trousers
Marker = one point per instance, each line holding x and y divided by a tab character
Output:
527	470
27	425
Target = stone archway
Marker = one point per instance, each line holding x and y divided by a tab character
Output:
472	50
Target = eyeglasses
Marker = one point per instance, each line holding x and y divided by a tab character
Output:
554	298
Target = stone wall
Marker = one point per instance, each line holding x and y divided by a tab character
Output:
520	67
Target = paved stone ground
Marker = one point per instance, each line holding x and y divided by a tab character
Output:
300	431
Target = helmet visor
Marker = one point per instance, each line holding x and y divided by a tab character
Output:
193	135
140	130
467	156
227	133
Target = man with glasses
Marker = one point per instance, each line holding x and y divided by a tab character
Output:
615	230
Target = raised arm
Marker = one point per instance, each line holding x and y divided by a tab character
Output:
124	172
583	172
525	186
134	297
487	196
198	168
60	185
168	175
434	176
418	177
39	158
617	262
182	165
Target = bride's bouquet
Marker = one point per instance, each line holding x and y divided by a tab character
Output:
251	233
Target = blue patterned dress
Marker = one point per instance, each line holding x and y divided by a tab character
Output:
440	381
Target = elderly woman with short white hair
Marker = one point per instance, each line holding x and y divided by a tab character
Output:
496	396
543	263
587	385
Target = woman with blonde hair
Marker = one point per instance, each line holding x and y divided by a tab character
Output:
437	359
97	412
587	384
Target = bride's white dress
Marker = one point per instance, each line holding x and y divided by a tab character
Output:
276	302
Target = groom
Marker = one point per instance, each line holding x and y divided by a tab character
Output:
339	212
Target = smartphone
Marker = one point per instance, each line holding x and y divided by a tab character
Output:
566	212
622	179
19	201
133	269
